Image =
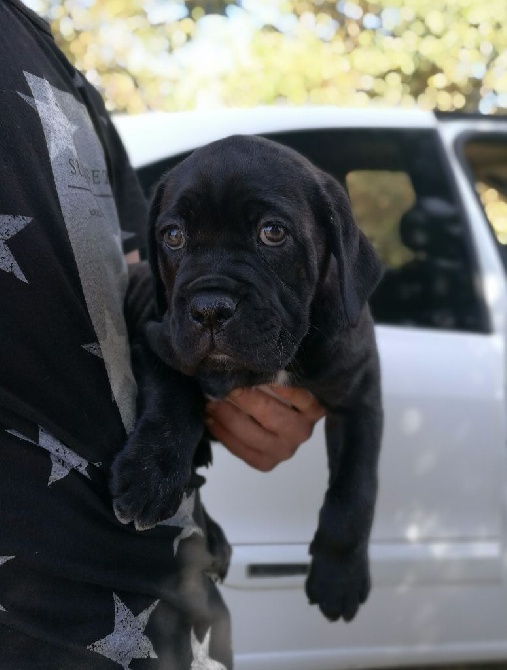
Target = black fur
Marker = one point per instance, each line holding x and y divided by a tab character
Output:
300	306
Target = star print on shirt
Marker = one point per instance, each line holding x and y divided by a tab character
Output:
4	559
9	226
127	641
93	348
200	653
61	129
63	459
183	519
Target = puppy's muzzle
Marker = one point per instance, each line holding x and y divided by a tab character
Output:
211	310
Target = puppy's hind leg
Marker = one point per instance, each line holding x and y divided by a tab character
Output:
339	577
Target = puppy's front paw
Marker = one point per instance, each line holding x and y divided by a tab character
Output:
338	585
146	488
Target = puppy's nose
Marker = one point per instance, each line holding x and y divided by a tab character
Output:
212	310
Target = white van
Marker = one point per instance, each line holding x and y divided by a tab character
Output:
431	193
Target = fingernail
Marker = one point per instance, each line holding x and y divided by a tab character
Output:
235	393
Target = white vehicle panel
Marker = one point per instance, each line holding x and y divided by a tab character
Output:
173	133
441	467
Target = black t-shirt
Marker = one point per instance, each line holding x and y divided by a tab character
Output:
78	590
68	199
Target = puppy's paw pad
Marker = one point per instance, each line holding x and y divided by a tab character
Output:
143	525
339	587
122	516
147	496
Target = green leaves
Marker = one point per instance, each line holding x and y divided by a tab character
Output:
173	55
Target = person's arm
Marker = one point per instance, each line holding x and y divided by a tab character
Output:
261	429
133	257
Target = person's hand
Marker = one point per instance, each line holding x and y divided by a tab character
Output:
261	429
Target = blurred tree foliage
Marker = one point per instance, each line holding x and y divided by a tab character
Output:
174	55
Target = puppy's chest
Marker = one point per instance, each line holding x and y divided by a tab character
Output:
282	378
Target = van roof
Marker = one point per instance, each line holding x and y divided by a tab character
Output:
152	136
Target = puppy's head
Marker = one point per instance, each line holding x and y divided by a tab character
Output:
242	234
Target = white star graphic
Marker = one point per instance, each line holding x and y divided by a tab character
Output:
9	226
63	459
4	559
93	348
127	641
61	130
200	652
183	519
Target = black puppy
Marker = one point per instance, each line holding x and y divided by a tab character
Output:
260	268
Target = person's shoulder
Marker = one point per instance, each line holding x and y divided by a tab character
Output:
34	18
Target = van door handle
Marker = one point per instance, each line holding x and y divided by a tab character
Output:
268	566
274	570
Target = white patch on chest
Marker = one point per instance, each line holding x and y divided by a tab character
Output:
282	378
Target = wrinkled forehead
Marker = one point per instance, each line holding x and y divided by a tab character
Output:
241	171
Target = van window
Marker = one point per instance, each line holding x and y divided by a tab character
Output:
379	198
486	157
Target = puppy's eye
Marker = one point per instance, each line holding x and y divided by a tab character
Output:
272	234
174	237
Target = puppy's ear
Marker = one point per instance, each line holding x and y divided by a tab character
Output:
359	268
155	210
